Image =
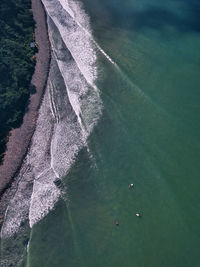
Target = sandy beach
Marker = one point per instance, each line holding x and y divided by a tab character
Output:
20	138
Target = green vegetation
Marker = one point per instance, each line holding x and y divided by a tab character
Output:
16	64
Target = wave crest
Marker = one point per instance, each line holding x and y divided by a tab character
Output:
70	109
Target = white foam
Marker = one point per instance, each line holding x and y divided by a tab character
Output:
45	194
78	43
70	109
53	107
34	166
83	96
77	12
75	9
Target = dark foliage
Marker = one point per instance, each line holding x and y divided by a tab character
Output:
16	64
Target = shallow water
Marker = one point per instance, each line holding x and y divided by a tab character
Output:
148	64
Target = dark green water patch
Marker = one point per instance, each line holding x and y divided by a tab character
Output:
147	135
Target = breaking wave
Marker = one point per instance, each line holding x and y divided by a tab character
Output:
70	109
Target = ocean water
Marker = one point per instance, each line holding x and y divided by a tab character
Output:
121	107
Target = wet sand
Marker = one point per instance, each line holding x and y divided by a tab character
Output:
20	138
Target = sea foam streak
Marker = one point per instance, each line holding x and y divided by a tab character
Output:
70	109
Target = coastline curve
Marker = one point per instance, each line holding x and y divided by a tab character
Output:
19	139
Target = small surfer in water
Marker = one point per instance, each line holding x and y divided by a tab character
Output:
116	223
131	185
138	214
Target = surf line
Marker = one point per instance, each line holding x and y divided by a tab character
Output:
70	12
118	68
89	82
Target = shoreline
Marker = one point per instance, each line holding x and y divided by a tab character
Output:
20	138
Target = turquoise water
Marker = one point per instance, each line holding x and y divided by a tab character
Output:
148	135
